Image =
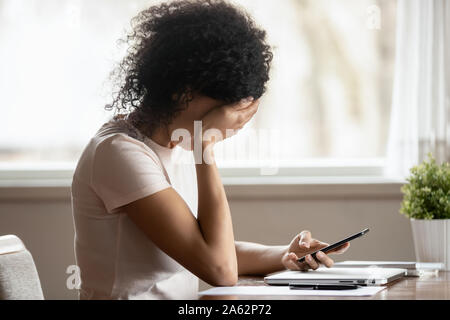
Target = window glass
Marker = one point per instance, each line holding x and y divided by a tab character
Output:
329	94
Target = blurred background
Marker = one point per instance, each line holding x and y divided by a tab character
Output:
328	98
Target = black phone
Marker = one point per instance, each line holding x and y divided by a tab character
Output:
322	286
337	244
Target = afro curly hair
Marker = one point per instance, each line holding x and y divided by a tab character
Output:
208	47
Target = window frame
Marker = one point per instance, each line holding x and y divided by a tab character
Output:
314	171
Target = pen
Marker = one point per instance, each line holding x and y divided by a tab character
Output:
305	286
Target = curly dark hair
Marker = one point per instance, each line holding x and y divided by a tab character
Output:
209	47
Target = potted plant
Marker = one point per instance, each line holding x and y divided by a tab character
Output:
426	201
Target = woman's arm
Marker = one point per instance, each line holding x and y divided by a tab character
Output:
258	259
214	220
204	246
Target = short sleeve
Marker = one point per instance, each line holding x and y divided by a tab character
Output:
125	170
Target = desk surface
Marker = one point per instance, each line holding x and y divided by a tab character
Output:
429	286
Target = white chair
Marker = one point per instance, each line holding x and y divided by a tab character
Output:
19	279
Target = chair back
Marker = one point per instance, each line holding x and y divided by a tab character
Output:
19	279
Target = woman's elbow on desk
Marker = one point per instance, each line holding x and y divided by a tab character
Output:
221	275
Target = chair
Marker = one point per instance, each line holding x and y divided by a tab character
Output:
19	279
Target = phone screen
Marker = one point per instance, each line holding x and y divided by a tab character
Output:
337	244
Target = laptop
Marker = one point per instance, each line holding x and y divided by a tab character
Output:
412	268
323	275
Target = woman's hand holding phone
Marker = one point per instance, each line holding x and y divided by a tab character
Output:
303	244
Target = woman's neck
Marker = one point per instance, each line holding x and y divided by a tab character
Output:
162	137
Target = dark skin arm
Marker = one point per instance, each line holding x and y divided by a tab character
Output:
204	246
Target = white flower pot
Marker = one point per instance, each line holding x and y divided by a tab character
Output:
432	240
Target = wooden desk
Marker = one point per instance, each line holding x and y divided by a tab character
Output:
429	286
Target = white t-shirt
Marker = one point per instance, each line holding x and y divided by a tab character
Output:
116	259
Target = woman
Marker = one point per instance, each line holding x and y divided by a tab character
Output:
148	225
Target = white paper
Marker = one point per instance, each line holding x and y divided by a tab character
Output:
285	291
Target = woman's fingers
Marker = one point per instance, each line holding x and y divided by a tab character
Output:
313	245
292	263
311	262
242	112
324	259
317	245
304	243
248	112
243	104
304	239
321	257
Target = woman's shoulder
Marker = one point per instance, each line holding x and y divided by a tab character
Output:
115	141
117	133
118	125
120	145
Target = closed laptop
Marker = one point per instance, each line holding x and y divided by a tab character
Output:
323	275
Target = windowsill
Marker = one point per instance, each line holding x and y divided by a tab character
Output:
237	188
304	188
310	180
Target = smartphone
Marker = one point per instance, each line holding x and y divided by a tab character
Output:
337	244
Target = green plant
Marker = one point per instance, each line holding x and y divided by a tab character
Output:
427	193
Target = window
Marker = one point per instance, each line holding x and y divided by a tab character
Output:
328	98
